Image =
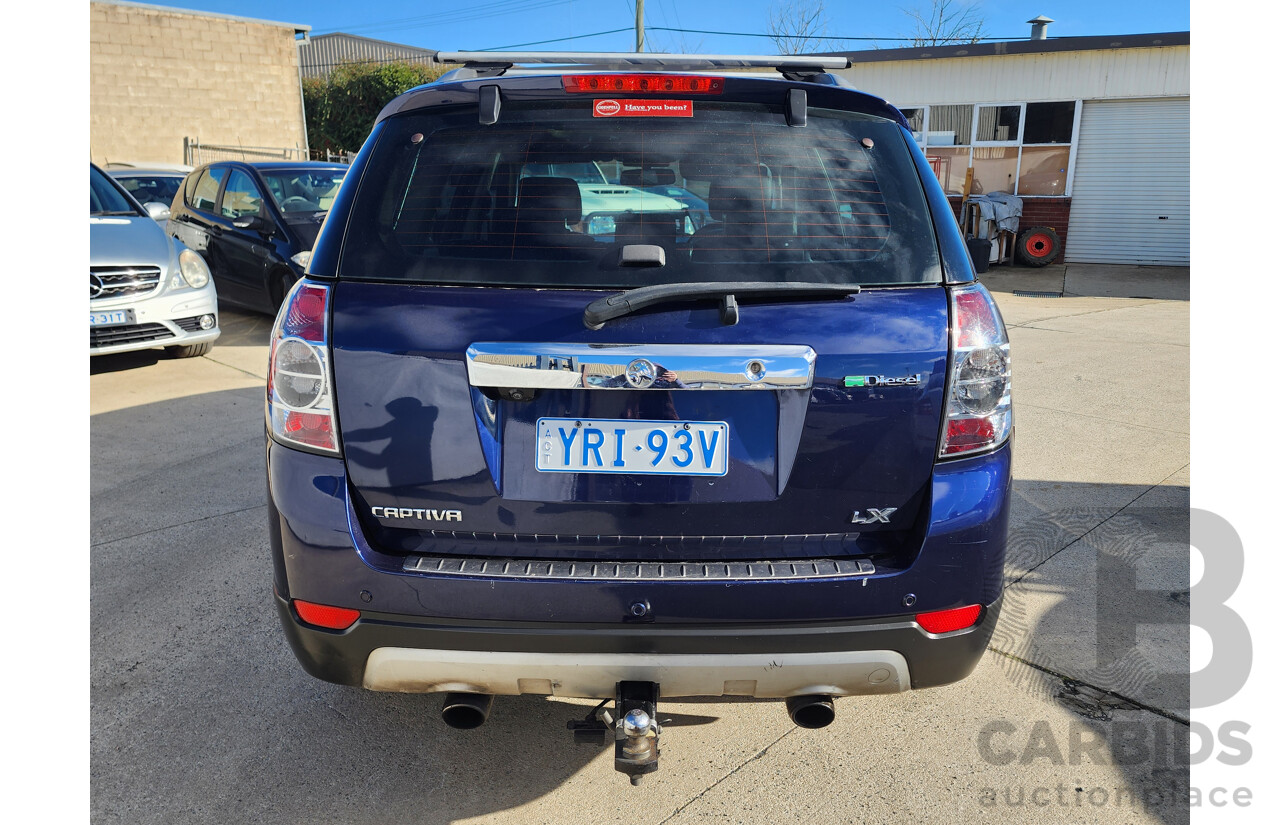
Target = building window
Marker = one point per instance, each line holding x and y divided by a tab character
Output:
1044	170
995	169
949	126
998	124
915	120
1050	122
950	165
1017	148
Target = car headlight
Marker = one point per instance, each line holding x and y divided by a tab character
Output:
194	270
302	259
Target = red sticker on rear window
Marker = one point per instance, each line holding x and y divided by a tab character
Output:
643	108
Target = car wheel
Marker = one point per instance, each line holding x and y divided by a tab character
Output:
1038	246
189	350
282	280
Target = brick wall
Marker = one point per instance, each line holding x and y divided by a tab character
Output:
1051	212
157	76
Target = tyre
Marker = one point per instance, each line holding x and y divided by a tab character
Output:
1038	246
189	350
282	280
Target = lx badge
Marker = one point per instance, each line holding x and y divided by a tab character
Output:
873	516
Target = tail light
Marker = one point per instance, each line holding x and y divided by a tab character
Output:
979	400
299	380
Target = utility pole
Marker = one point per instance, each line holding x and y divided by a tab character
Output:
639	26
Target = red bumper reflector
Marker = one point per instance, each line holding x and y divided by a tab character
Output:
323	615
945	621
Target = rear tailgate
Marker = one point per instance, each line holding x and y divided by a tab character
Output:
452	468
807	429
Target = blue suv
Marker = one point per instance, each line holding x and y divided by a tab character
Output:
517	449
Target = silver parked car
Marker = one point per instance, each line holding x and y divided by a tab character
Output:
145	289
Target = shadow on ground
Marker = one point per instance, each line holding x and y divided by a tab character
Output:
121	361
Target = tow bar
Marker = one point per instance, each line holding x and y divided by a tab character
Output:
634	724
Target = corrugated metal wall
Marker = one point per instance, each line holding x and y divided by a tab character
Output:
1104	73
324	53
1132	188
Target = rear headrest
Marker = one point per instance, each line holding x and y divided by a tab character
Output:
734	196
551	198
648	176
702	167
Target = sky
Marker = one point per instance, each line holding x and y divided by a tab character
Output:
461	25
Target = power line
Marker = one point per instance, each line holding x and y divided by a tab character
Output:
704	31
483	10
554	40
808	36
724	34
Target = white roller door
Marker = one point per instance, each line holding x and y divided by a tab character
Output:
1130	199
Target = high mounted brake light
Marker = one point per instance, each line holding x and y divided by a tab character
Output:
299	381
643	84
979	400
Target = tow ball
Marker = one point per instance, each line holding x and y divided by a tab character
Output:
633	724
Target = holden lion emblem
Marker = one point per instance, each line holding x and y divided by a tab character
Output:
641	374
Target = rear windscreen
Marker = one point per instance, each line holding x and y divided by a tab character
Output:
551	195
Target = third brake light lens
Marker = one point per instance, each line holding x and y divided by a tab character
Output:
643	84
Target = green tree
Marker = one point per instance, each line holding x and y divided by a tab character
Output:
341	108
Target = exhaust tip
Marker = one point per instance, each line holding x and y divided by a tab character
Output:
466	711
814	711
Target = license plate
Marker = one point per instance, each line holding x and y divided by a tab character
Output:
113	318
679	448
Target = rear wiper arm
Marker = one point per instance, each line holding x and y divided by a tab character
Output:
625	303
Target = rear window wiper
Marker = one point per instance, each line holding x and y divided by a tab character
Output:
625	303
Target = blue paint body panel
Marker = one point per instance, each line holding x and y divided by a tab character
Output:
417	435
324	556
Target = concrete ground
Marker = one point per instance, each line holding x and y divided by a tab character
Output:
200	713
1094	281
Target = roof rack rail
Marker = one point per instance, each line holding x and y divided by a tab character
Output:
634	60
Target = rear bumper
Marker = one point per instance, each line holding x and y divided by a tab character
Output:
856	658
438	632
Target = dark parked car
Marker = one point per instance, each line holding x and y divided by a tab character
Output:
765	458
255	224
